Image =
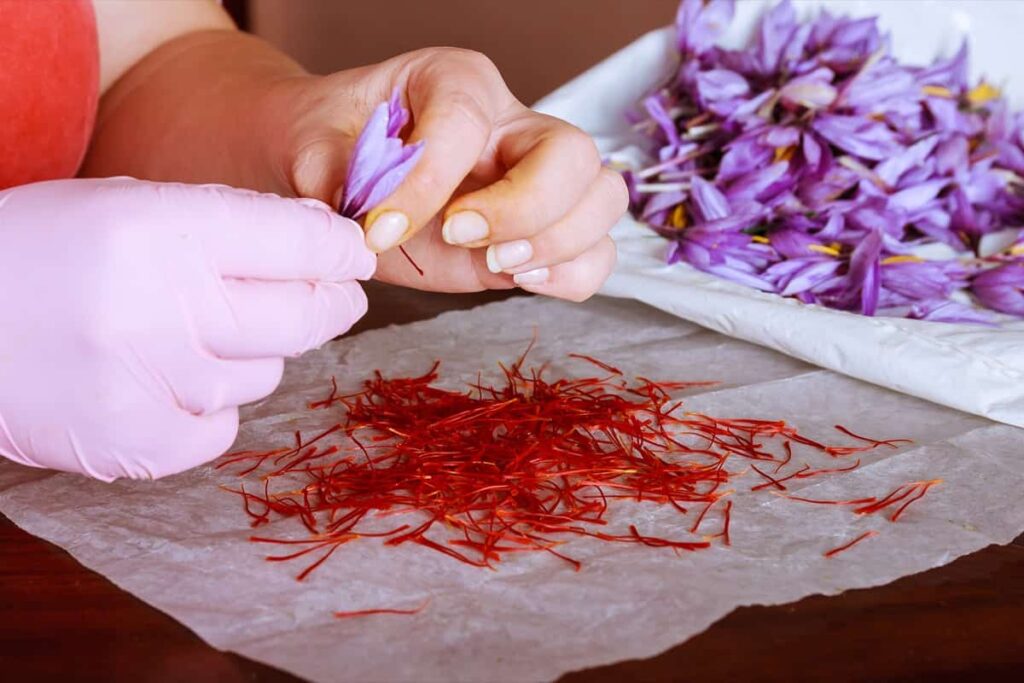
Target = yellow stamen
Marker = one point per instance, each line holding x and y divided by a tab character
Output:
760	239
822	249
937	91
784	153
905	258
982	93
678	217
1017	250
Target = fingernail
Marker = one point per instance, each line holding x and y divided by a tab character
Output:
386	230
537	276
465	227
508	255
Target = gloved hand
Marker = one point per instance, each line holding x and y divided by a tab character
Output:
136	317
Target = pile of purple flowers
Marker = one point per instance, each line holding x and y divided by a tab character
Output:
813	165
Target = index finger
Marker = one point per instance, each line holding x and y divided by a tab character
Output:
267	237
552	164
455	96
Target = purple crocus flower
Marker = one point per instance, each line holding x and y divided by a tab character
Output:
720	84
952	157
801	275
865	138
730	255
1002	288
946	311
917	197
891	169
660	115
949	117
699	23
757	185
865	279
820	191
966	220
923	280
850	43
710	204
878	85
380	160
1005	135
813	90
660	204
781	136
747	114
947	73
814	155
773	34
792	243
742	157
859	34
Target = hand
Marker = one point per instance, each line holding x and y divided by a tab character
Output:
135	317
502	196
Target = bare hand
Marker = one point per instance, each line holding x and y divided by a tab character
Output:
503	196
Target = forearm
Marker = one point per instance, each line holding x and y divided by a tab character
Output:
201	107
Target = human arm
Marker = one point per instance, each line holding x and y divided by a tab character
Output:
212	104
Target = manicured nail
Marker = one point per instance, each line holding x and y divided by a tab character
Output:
386	230
508	255
465	227
537	276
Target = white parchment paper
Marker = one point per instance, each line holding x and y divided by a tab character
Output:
181	544
968	367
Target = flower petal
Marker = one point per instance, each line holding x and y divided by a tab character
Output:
1002	288
710	203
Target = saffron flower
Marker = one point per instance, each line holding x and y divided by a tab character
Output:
380	160
1002	288
813	164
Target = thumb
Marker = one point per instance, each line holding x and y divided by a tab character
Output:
319	169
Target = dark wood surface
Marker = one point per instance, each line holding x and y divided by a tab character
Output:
964	621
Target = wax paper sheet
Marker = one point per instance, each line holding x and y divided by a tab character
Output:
181	544
968	367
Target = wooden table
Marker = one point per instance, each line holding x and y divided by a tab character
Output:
60	621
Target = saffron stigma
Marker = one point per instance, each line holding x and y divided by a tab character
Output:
530	463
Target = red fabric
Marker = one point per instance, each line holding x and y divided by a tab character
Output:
49	85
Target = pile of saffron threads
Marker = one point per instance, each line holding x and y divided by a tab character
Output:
527	465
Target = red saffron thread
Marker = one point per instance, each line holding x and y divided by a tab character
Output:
522	466
409	258
907	494
369	612
850	544
726	517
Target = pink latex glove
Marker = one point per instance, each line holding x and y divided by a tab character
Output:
136	317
